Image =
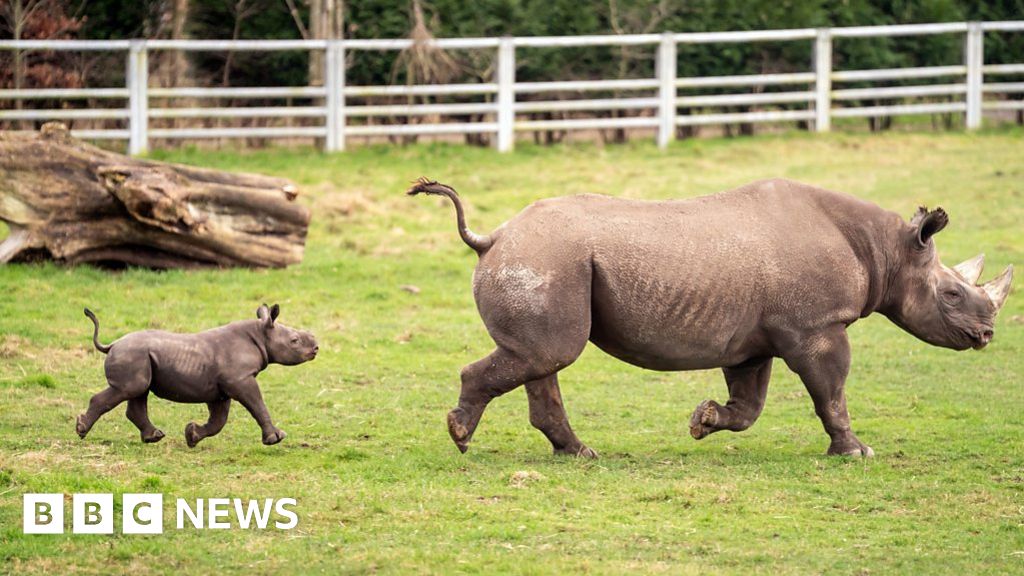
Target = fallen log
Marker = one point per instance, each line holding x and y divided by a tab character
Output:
71	202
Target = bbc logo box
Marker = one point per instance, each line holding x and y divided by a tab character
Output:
93	514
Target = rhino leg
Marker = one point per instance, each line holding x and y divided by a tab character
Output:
547	414
748	386
482	381
138	413
823	364
214	424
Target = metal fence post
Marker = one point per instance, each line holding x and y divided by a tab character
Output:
974	59
666	65
823	80
334	86
138	98
506	98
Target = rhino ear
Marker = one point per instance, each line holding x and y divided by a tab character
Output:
928	223
266	315
274	311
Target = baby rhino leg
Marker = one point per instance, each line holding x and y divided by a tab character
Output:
218	417
128	376
138	413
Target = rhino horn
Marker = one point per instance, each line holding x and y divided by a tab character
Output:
999	287
971	269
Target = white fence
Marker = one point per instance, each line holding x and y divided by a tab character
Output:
815	95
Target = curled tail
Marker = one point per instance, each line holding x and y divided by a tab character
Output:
96	332
472	239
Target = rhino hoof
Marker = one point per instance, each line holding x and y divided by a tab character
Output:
704	419
458	432
274	437
857	451
579	452
80	427
191	436
155	436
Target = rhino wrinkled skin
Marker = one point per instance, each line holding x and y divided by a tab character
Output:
774	269
211	367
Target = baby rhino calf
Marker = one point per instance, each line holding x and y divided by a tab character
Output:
215	367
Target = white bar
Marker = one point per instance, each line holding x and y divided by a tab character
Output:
899	91
589	123
745	99
74	45
421	90
666	66
101	134
421	109
402	44
409	129
974	56
63	93
581	85
138	100
763	116
898	110
745	36
746	80
241	112
898	73
1003	69
597	104
334	75
236	45
1003	105
900	30
268	132
1003	26
597	40
823	81
268	92
66	114
505	75
1002	87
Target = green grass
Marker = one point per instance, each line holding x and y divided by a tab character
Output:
381	488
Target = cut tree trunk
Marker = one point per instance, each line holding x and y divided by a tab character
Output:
73	203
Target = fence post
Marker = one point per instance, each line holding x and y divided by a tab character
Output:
334	86
974	59
666	65
506	98
823	80
138	98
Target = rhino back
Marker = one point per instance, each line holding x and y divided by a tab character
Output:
702	282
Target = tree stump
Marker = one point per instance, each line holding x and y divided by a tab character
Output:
73	203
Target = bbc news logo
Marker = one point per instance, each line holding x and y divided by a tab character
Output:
144	513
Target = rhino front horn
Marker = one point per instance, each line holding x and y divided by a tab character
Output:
971	269
999	287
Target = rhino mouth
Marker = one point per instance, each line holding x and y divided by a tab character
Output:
981	338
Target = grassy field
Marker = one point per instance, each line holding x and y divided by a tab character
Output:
381	488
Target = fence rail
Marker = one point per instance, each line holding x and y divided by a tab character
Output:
661	103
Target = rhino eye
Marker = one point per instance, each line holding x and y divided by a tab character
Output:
952	295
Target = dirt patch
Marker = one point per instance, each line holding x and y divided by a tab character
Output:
12	346
523	478
342	205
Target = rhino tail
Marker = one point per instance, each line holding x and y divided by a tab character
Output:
480	243
96	332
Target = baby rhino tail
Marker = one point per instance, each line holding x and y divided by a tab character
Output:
477	242
96	332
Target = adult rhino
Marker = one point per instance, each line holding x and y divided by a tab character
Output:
774	269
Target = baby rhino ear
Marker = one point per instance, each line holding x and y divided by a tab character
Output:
274	311
263	313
